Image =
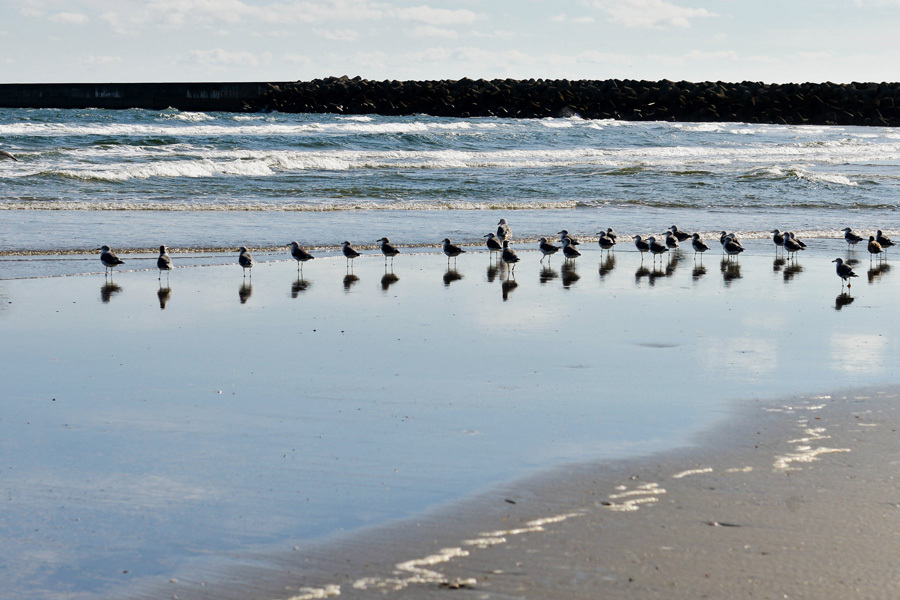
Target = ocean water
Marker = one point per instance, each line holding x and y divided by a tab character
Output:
176	429
138	179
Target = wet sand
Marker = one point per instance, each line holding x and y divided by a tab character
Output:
299	436
795	498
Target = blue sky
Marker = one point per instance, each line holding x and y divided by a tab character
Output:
286	40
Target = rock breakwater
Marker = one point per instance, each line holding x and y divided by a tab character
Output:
631	100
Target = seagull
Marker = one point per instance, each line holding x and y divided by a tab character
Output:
349	252
698	244
723	239
844	271
300	254
109	259
565	234
656	248
796	239
503	230
778	238
873	247
4	155
731	246
164	262
388	249
679	235
611	234
851	238
672	240
494	243
605	242
509	256
569	250
245	260
547	248
451	250
641	245
792	244
884	240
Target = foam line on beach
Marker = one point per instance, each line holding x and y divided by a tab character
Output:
419	570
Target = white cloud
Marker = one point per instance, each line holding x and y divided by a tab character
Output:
338	35
650	13
219	57
564	18
604	58
69	18
718	55
297	59
428	31
820	55
104	60
437	16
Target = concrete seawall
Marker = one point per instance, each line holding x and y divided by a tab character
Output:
750	102
230	97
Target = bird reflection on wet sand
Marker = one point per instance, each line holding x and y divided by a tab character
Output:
698	272
507	287
656	272
842	300
164	294
299	285
791	271
548	274
672	264
778	263
451	275
387	280
731	270
108	290
877	271
569	275
641	272
492	271
607	265
245	291
349	280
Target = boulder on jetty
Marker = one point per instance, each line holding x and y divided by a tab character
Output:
629	100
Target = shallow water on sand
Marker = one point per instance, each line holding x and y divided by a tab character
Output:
151	424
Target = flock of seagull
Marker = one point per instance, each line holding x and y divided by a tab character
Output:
499	243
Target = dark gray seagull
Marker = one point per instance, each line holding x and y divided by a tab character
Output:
109	259
884	240
679	235
569	250
245	260
451	250
547	249
349	252
493	243
164	262
388	249
844	271
698	245
509	256
851	238
300	254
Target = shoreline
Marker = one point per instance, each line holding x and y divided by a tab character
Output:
757	505
229	420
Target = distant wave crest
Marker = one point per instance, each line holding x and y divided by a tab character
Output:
281	207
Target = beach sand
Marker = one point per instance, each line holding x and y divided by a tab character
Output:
626	432
794	498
